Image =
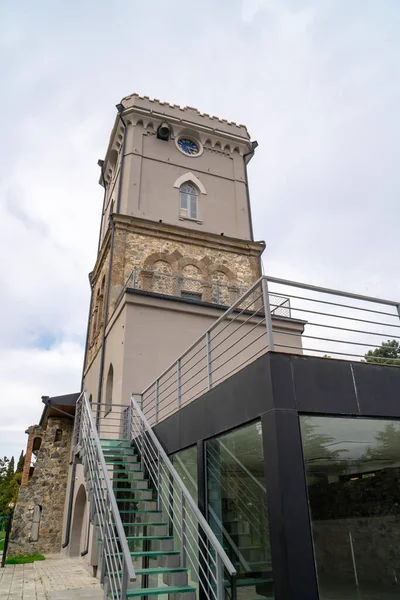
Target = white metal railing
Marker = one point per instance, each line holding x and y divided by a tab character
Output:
116	563
318	321
201	552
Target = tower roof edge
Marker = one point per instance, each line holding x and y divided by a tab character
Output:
186	113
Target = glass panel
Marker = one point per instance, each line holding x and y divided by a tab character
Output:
193	207
185	463
184	202
237	507
353	476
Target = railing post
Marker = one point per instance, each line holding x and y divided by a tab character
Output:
179	381
128	421
158	481
183	529
267	312
220	578
398	310
209	365
157	394
124	584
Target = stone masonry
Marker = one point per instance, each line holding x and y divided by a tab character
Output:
46	488
151	246
35	433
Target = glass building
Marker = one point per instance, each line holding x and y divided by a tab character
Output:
295	462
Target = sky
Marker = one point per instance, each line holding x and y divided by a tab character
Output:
316	82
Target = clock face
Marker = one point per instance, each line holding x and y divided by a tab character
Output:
188	146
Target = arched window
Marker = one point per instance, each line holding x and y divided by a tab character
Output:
58	436
188	201
109	390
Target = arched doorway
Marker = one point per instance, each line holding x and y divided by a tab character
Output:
77	533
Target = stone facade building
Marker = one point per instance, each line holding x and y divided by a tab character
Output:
40	508
175	249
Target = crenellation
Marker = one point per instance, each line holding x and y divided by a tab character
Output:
169	110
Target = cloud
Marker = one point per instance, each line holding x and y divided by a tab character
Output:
318	85
26	374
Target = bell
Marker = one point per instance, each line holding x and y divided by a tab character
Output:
164	131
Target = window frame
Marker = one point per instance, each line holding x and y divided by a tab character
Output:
187	197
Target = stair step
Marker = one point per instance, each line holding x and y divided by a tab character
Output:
145	524
154	553
130	490
153	510
248	581
160	570
117	462
171	589
119	451
138	538
115	443
150	553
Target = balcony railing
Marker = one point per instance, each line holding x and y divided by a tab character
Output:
323	322
213	292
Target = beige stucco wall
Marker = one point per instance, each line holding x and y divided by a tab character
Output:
149	179
151	167
147	334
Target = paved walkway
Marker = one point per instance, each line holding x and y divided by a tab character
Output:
56	578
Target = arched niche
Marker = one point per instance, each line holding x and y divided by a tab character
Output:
77	522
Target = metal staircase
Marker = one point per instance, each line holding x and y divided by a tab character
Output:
151	538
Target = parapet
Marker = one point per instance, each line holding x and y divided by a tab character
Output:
186	114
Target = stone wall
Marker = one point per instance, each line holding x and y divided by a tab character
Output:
46	488
152	246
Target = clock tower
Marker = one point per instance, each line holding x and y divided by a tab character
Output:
176	244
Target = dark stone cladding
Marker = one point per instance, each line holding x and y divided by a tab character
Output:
278	381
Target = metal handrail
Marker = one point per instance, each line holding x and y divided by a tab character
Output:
159	466
253	326
230	310
316	288
117	572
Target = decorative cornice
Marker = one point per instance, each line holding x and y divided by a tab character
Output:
188	236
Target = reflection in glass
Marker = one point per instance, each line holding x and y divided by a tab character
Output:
236	507
353	476
185	463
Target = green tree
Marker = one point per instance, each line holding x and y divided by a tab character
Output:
3	466
389	445
316	445
10	470
387	354
20	463
9	484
